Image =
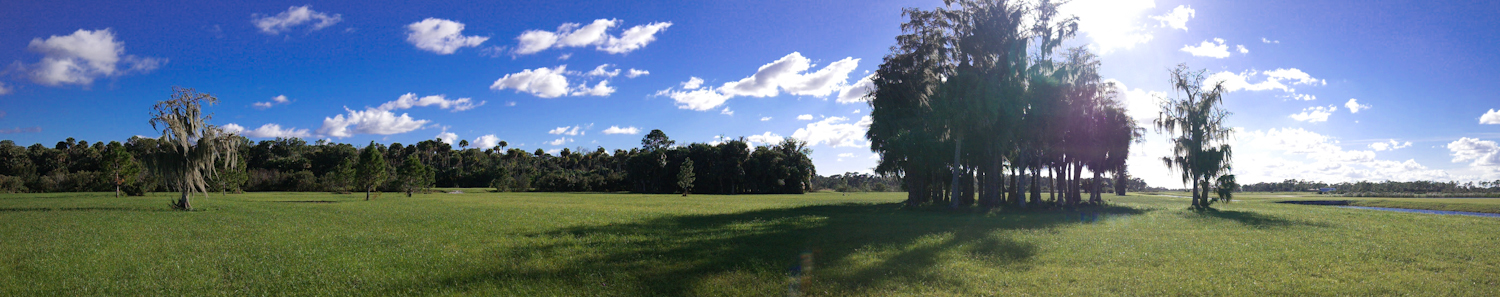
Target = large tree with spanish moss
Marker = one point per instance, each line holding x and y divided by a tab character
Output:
189	147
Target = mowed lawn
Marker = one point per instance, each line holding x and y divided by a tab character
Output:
584	244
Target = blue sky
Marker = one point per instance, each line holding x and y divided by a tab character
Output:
1421	74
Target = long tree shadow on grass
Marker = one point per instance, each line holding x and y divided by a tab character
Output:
868	244
1255	219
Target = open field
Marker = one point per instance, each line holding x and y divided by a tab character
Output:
1487	205
574	244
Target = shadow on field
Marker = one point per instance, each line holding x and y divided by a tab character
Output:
21	209
1255	219
755	251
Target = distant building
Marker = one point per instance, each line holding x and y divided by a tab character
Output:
1326	190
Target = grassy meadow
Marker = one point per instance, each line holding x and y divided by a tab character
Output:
587	244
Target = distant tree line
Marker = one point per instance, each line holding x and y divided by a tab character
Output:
865	182
1382	189
292	164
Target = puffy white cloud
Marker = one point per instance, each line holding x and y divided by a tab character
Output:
595	34
789	73
1111	24
857	91
83	56
541	82
447	137
693	83
267	131
767	138
1315	114
410	100
1304	97
1242	49
603	70
551	83
805	117
440	36
279	99
835	132
634	73
612	130
602	89
726	111
369	121
1214	49
487	141
559	141
1278	79
1278	154
1176	18
1491	118
764	119
292	17
1354	106
1484	153
1389	145
1141	105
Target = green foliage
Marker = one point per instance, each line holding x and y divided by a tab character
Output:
414	176
685	177
371	169
1225	186
189	149
1195	121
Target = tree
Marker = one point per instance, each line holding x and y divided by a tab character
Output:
1225	186
120	167
1196	123
656	140
685	177
371	171
189	147
414	175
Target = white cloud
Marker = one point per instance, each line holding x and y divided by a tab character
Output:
1140	104
559	141
279	99
369	121
1354	106
612	130
510	103
767	138
267	131
1490	118
1389	145
602	89
805	117
763	119
410	100
1176	18
1214	49
789	73
440	36
552	83
1304	97
1242	48
1278	154
1111	24
292	17
634	73
1278	79
447	137
1484	153
570	131
595	34
693	83
856	111
541	82
1315	114
603	70
487	141
726	111
1264	40
3	89
834	132
857	91
83	56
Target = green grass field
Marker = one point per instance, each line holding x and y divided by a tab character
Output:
579	244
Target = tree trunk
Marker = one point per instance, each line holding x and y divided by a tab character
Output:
367	194
1052	173
1195	193
958	145
183	202
1095	197
1077	186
